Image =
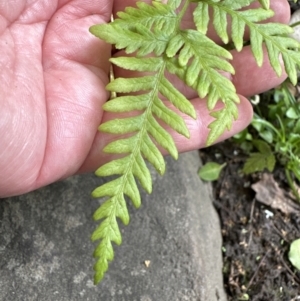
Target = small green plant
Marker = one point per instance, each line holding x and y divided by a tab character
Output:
158	45
294	254
275	134
211	171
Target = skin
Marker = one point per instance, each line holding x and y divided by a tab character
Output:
52	86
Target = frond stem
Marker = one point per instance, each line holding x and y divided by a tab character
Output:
295	24
182	12
143	131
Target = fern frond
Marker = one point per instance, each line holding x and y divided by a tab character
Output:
273	35
152	33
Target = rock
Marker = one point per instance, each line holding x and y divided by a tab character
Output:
171	249
295	19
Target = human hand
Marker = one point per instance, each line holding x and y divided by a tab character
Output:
52	86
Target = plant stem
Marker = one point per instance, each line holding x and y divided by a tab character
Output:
290	181
295	24
183	11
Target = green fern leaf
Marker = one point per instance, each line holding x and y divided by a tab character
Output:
131	190
108	228
237	35
162	136
173	3
238	4
201	17
105	210
126	104
142	173
259	162
121	146
290	60
172	119
176	98
138	64
105	253
158	16
117	166
153	155
126	85
142	40
108	189
224	118
220	23
122	126
265	3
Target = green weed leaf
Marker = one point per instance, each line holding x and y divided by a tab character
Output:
292	114
294	254
264	159
259	162
211	171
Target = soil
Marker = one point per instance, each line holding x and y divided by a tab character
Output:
256	236
294	5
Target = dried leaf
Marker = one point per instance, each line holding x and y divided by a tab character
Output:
269	193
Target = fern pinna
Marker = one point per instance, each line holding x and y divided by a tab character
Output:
153	35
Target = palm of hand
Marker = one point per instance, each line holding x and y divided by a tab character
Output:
51	109
53	74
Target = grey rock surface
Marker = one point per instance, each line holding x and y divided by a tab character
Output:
46	253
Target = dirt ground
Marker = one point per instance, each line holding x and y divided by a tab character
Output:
256	237
294	6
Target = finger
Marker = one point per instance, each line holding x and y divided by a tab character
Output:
250	79
75	71
199	130
68	38
198	133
